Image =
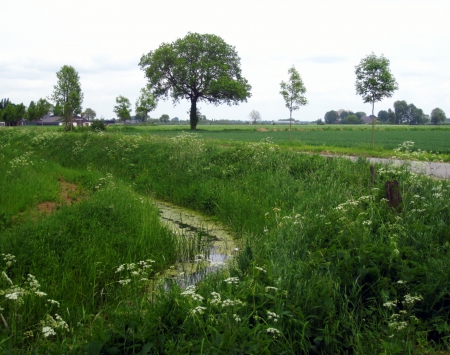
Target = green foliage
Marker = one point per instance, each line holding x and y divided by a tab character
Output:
123	108
97	125
293	91
197	68
324	267
144	104
67	94
437	116
374	81
351	119
331	117
89	114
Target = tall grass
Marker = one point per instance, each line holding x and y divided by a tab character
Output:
325	265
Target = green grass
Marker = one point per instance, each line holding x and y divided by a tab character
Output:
325	265
340	139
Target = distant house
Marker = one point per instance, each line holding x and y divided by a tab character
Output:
49	120
368	119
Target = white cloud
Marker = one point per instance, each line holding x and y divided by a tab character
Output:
324	39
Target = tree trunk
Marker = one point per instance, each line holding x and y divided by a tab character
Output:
290	124
193	114
373	123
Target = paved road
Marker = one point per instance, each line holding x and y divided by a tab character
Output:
439	170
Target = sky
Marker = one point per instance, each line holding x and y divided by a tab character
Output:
323	39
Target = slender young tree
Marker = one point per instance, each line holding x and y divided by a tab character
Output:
42	108
198	67
123	108
374	81
67	94
145	103
293	93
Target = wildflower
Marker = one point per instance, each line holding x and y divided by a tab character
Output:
198	310
367	223
232	280
48	331
124	282
273	331
273	316
401	282
190	291
14	295
412	299
260	269
53	302
40	293
390	304
236	317
230	303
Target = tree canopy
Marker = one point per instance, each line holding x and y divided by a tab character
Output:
198	67
144	104
437	116
254	116
67	93
331	117
374	81
89	113
123	108
293	92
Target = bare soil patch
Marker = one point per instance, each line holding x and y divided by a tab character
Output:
262	129
69	193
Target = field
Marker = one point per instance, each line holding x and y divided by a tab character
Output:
340	138
325	265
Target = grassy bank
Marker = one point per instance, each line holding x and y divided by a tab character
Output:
326	265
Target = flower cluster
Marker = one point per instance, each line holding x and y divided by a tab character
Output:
190	292
50	325
140	270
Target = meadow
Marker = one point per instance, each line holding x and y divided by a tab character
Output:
325	265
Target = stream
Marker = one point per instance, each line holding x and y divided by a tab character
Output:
189	224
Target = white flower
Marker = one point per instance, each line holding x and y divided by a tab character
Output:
124	282
260	269
236	317
40	293
232	280
271	288
390	304
13	296
53	302
199	310
48	331
273	331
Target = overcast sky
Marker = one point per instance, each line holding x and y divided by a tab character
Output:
324	39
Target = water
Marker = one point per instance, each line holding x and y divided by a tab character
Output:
189	224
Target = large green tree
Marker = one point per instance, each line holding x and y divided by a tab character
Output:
145	103
437	116
400	109
374	81
293	92
198	67
67	94
331	117
122	108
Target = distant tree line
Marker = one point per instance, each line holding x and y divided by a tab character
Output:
402	113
